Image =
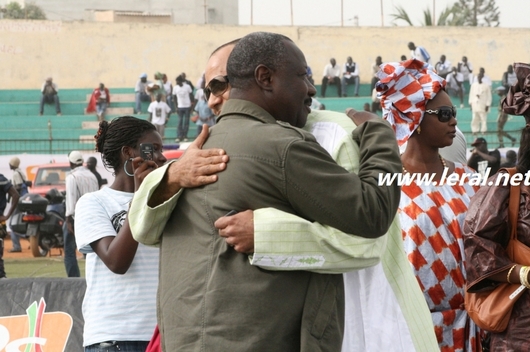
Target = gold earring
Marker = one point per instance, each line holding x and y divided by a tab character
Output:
418	130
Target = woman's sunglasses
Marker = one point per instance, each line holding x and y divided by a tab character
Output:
217	86
444	113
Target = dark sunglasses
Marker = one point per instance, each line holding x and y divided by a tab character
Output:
217	86
444	113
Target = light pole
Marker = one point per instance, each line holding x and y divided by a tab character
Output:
434	12
382	16
251	12
342	13
292	23
205	12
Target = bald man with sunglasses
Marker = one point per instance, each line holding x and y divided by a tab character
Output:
357	252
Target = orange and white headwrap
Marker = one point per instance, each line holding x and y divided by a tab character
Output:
404	89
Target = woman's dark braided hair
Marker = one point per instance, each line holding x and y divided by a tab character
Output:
120	132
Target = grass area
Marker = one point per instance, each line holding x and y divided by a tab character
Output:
38	267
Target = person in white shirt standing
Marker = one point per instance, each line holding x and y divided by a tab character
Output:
418	52
182	93
168	87
159	113
485	78
350	74
78	182
480	102
465	68
331	76
509	78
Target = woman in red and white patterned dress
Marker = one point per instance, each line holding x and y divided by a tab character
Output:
431	213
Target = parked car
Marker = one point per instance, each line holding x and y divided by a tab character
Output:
48	176
173	154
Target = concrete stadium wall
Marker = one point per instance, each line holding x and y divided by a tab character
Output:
80	54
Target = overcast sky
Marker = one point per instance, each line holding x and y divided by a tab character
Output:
514	13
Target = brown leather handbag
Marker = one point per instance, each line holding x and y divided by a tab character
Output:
491	310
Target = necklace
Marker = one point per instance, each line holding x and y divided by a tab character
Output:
444	164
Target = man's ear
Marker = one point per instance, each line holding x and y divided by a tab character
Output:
263	76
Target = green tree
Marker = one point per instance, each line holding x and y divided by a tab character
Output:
30	12
450	17
483	13
34	12
14	11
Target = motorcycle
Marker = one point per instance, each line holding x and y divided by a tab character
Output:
40	219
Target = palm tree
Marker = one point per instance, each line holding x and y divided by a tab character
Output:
451	17
427	17
401	15
461	13
448	17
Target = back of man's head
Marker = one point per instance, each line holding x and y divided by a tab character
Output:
511	155
14	162
91	163
76	158
230	43
258	48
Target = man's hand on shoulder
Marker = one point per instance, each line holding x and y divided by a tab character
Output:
358	117
197	167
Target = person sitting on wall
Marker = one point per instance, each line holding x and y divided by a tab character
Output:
455	84
331	76
350	74
50	96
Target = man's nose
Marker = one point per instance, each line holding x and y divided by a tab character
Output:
213	101
311	90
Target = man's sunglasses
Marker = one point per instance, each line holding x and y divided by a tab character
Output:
217	86
444	113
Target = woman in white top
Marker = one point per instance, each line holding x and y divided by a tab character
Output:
119	307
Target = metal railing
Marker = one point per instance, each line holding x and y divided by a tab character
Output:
64	146
52	146
42	146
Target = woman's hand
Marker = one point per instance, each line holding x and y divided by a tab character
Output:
141	168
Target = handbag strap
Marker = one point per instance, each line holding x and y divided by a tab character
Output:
513	205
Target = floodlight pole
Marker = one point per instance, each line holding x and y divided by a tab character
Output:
292	22
382	16
434	12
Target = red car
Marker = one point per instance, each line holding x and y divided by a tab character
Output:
172	154
48	176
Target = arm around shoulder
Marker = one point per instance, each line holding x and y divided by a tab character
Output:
379	156
311	246
328	194
148	216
